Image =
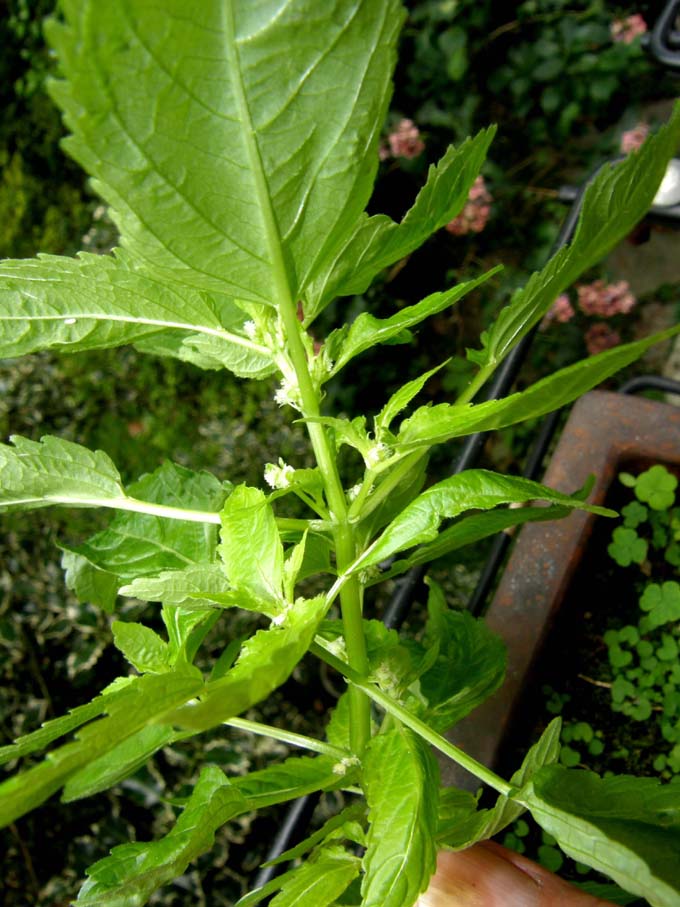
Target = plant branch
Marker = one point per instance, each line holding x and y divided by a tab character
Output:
301	740
415	724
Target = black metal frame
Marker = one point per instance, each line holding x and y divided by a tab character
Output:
663	43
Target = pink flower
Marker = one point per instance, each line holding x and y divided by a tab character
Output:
473	217
405	141
605	300
628	29
600	337
561	310
634	138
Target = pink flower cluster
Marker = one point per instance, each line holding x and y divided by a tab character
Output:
628	29
600	337
473	217
405	141
598	298
605	300
633	139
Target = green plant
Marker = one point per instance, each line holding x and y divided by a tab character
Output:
237	151
644	655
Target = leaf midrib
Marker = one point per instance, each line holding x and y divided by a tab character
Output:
272	234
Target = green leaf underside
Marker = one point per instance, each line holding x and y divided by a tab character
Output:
250	547
225	184
477	489
319	881
367	331
96	302
436	424
401	783
471	529
461	825
377	241
626	827
614	202
469	667
136	545
39	473
133	872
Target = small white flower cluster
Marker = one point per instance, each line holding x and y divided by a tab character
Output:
342	767
376	454
278	476
288	393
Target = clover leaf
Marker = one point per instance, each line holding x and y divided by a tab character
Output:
662	602
634	514
656	487
627	547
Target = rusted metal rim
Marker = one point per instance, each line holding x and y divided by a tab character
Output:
605	432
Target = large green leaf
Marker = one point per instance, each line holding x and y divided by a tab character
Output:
467	531
401	783
139	544
223	168
626	827
250	547
469	667
614	202
193	586
130	875
132	872
474	489
376	242
436	424
97	301
461	825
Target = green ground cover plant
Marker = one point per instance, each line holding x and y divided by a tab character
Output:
237	152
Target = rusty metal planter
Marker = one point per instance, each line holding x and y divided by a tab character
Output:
606	432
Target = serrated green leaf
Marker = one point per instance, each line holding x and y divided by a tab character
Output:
141	646
436	424
401	783
132	872
464	828
50	471
251	548
214	181
97	302
469	667
319	881
194	586
136	705
52	730
119	763
265	662
626	827
618	197
295	777
342	825
471	529
474	489
367	331
139	544
377	241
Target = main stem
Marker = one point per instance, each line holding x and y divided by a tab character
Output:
345	544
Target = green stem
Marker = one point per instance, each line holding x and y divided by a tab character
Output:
419	727
307	743
345	545
475	385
